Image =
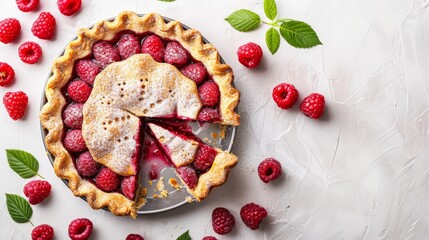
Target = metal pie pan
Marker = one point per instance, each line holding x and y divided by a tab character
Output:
175	198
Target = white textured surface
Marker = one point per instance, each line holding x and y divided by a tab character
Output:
361	172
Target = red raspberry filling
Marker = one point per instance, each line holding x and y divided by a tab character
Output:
175	54
208	115
205	157
128	186
105	53
87	70
107	180
73	141
154	46
86	166
189	176
128	45
209	94
73	115
195	71
79	91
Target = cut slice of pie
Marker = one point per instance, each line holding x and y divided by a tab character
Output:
105	86
200	166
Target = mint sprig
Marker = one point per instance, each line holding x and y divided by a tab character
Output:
297	33
23	163
19	209
184	236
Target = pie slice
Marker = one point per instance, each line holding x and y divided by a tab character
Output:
109	82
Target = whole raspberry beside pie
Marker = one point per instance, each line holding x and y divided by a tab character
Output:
15	103
44	26
252	215
10	28
126	80
270	169
134	236
69	7
42	232
313	105
30	52
222	221
7	74
80	229
37	191
27	5
285	95
250	55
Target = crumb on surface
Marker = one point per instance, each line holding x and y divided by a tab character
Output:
173	182
188	199
150	183
160	184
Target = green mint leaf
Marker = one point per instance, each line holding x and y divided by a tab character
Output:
244	20
299	34
270	9
166	0
283	20
185	236
22	162
272	38
19	209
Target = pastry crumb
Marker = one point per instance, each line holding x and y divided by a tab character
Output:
144	192
150	183
164	193
188	199
173	182
160	184
214	135
222	132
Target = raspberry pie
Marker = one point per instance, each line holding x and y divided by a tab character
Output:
122	81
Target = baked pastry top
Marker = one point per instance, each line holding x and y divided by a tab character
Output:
125	93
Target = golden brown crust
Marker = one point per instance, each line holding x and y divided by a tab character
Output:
62	69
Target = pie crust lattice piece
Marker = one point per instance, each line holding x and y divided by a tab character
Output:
81	48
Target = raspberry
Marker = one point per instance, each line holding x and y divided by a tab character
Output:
30	52
7	74
252	214
15	103
205	157
134	237
79	91
195	71
128	45
37	191
313	105
42	232
209	238
208	115
27	5
285	95
250	55
69	7
44	26
87	70
80	229
189	176
222	221
10	29
209	94
105	53
128	186
86	166
73	116
154	46
107	180
175	54
269	169
73	141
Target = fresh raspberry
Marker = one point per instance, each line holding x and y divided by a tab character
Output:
252	214
195	71
30	52
87	70
69	7
105	53
209	238
80	229
128	45
15	103
73	116
107	180
42	232
269	169
189	176
37	191
27	5
175	54
7	74
73	141
128	186
313	105
222	221
205	157
250	55
134	237
79	91
209	94
208	115
154	46
285	95
10	29
44	26
86	166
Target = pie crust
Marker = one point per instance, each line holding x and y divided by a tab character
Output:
62	71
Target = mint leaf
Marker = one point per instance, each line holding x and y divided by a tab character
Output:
283	20
270	9
272	38
19	209
244	20
166	0
22	162
184	236
299	34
